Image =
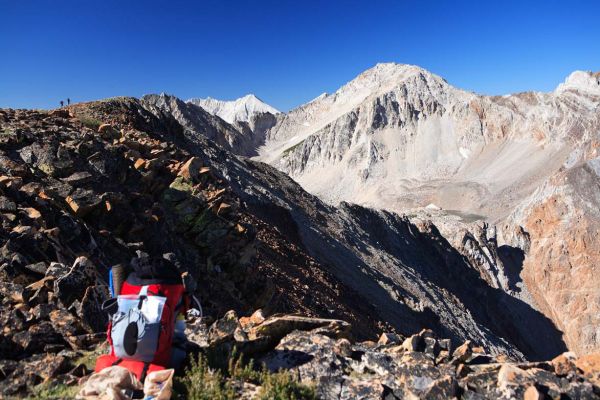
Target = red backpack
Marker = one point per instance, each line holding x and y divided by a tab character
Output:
142	320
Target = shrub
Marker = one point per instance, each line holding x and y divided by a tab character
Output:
282	386
50	391
201	382
91	123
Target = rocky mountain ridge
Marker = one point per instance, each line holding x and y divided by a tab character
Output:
241	137
400	138
77	196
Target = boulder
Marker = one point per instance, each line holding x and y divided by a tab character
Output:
462	353
60	113
107	131
38	292
13	292
64	323
356	389
224	328
7	205
37	337
51	366
310	355
191	169
256	318
7	367
41	312
93	318
139	164
431	346
82	201
513	380
411	343
33	371
32	213
343	348
277	327
56	270
223	208
73	285
38	268
589	365
78	178
564	364
532	393
14	182
12	321
417	342
388	338
442	388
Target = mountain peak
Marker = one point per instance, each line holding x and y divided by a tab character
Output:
241	109
582	81
250	96
394	69
385	76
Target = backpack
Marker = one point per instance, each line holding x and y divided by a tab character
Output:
142	319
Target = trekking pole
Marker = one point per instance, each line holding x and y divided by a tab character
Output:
190	287
199	306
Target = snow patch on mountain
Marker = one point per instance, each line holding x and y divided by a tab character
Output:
241	109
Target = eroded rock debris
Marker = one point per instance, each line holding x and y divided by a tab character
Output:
318	352
78	196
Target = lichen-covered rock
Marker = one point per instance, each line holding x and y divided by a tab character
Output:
277	327
589	365
225	329
90	311
73	285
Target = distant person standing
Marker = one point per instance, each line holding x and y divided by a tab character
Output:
62	103
68	101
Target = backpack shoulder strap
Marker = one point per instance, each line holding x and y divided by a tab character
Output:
144	372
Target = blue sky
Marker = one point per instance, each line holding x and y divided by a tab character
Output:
286	52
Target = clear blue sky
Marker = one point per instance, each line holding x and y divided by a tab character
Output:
286	52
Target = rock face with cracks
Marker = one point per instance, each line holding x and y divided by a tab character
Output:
561	267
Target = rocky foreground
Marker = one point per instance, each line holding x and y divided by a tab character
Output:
77	196
318	352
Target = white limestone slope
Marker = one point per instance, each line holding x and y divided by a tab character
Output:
242	109
581	81
399	137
